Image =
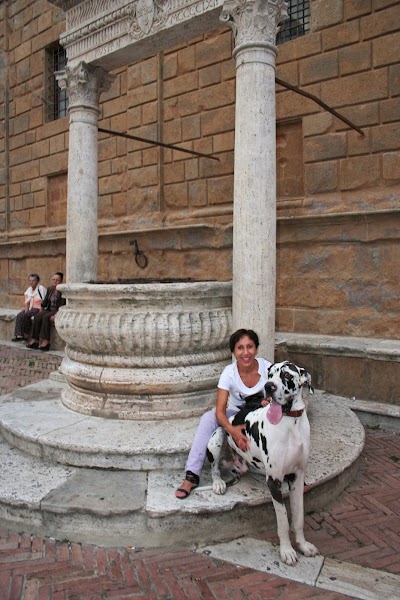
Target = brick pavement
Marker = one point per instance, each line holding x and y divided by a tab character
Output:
20	366
361	527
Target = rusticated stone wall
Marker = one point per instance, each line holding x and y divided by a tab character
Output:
338	191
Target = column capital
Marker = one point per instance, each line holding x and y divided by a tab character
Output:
254	22
84	83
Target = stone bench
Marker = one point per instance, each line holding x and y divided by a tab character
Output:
7	328
359	368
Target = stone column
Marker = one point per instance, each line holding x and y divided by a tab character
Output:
85	84
254	24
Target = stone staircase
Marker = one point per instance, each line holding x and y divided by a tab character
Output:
112	482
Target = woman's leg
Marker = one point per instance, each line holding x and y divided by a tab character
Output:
37	324
27	322
19	325
45	328
208	424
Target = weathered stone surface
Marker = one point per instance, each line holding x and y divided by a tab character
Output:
318	68
152	351
391	166
359	172
325	147
341	35
321	177
326	13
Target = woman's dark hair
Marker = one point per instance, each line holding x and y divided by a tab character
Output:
35	276
61	275
235	337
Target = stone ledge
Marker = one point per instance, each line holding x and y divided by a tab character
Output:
372	348
7	326
367	368
8	314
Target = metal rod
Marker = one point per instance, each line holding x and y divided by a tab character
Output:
155	143
320	102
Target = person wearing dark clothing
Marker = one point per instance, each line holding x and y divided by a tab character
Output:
42	321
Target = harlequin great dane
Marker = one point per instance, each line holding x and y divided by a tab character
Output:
278	444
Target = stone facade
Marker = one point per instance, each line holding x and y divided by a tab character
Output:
338	250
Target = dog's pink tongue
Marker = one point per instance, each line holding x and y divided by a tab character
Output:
274	414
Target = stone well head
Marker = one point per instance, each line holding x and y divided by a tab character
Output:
144	350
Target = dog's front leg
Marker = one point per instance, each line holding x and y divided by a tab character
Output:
214	453
287	552
297	509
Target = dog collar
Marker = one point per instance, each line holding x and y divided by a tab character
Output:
291	413
294	413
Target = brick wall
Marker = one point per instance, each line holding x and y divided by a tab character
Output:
338	191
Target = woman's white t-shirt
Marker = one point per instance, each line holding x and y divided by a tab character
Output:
231	382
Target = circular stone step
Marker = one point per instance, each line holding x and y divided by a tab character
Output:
137	507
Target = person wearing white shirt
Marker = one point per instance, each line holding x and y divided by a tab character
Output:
34	297
246	376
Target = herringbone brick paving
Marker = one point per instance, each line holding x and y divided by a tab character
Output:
361	527
20	366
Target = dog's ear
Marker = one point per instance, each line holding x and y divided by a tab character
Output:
305	379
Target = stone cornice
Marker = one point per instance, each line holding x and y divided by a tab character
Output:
96	29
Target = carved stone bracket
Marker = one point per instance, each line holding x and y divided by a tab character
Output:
84	83
254	21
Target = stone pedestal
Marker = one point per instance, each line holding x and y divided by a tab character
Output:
144	351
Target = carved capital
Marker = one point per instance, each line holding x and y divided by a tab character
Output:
84	83
254	21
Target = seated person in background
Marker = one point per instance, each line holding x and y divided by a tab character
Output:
34	297
43	319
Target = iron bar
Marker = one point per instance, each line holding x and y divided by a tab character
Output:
320	102
156	143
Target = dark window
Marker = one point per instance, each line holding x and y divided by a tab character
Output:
298	22
57	99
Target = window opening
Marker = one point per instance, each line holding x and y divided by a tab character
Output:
298	22
57	99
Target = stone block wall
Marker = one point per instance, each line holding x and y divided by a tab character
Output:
338	191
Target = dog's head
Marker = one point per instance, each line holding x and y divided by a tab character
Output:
285	383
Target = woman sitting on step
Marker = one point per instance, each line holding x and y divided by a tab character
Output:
34	297
246	376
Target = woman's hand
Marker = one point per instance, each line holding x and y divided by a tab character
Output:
240	439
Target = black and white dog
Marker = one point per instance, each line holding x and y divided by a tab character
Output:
278	444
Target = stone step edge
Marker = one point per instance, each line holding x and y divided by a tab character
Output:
43	447
373	348
374	408
141	528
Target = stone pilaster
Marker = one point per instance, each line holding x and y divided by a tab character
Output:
85	84
254	24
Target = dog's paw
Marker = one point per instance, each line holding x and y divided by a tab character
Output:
288	555
219	486
308	549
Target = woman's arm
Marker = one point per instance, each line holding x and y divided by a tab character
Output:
46	298
27	300
235	431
